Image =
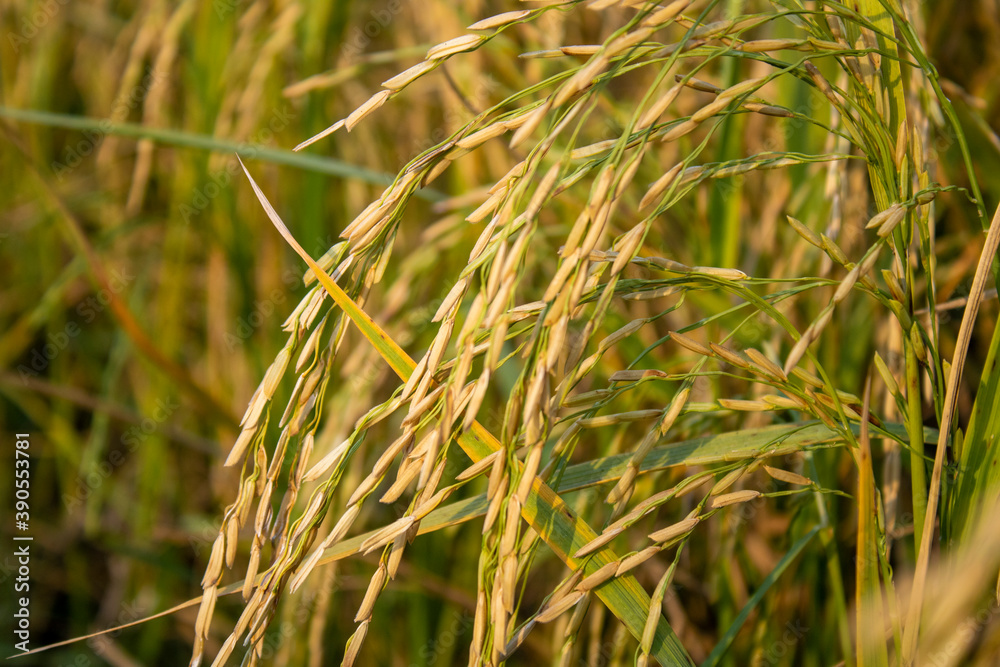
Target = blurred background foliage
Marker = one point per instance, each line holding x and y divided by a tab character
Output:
143	290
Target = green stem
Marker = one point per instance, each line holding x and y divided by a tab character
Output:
915	428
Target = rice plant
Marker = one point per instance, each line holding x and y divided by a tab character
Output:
643	358
582	321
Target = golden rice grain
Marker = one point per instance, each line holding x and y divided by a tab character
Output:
765	364
342	525
205	613
731	356
305	355
276	371
628	247
256	406
598	542
678	130
240	446
560	606
661	185
528	472
580	49
789	402
690	344
620	334
480	137
325	133
709	110
409	75
404	477
808	378
213	571
697	84
892	211
666	14
530	123
797	352
327	462
499	20
676	530
496	503
453	46
634	375
635	560
805	232
354	645
692	484
768	110
251	574
600	576
733	498
847	284
627	174
479	467
581	80
720	272
487	207
887	376
744	405
727	481
658	108
902	140
831	248
787	476
869	261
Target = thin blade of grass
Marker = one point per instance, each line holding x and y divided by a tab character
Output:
727	639
983	270
323	165
978	483
868	589
544	510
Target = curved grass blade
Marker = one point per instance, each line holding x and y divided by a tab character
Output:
868	590
323	165
978	483
983	270
544	510
723	644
